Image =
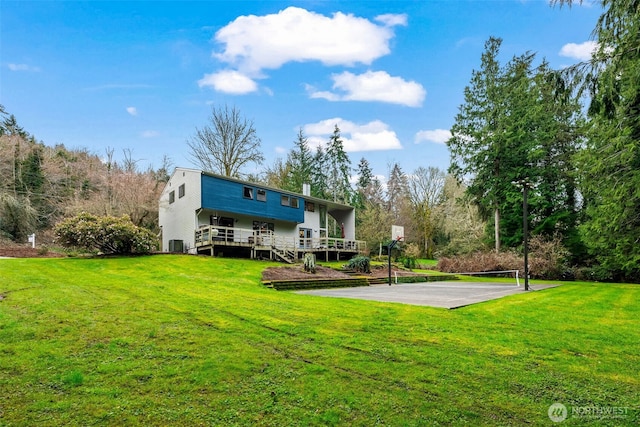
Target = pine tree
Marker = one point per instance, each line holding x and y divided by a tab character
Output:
365	179
397	194
300	160
517	125
339	165
475	145
319	177
610	164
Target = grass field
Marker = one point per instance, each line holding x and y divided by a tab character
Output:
183	340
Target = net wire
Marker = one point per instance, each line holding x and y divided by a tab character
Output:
499	274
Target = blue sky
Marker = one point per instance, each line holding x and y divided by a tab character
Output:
143	75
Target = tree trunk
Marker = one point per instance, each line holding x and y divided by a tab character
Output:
497	228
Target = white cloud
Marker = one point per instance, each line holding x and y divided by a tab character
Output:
22	67
582	51
253	43
132	110
392	19
372	136
373	86
150	134
229	81
439	136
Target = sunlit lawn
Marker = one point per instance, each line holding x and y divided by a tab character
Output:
183	340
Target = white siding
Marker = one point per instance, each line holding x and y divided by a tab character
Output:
312	221
178	219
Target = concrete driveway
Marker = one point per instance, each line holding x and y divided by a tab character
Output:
434	294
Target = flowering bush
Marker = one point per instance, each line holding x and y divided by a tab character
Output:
106	234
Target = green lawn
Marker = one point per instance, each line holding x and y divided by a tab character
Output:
184	340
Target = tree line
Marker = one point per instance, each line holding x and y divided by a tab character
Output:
40	184
572	135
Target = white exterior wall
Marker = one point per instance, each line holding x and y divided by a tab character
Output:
178	220
312	221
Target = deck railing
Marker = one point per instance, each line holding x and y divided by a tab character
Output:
218	235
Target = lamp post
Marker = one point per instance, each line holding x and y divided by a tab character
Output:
525	184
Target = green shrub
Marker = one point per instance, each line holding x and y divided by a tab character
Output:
107	234
409	262
360	264
411	255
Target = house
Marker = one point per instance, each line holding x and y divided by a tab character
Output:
201	212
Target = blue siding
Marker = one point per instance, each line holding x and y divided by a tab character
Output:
224	195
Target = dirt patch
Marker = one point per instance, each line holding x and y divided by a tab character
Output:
27	252
296	272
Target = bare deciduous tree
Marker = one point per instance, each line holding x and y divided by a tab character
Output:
425	192
460	220
226	144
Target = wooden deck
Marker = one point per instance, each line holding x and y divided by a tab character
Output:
217	239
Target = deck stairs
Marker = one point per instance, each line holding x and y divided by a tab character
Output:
285	255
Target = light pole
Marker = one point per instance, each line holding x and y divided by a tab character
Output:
525	184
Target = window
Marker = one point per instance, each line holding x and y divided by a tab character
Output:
172	197
262	226
181	191
248	193
293	202
309	207
261	195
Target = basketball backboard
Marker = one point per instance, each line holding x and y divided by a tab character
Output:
397	232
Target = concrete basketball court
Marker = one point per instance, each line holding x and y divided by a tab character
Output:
450	294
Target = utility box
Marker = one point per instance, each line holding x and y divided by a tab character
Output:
176	246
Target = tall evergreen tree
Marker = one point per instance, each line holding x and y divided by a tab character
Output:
610	164
319	177
363	185
339	165
560	134
397	194
475	145
301	163
517	125
363	188
365	174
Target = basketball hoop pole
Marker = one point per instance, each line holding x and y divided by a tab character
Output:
391	246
